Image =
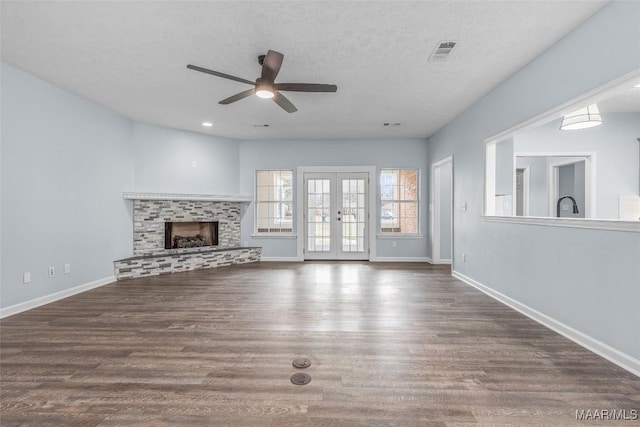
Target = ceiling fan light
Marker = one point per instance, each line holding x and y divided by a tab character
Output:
583	118
264	90
264	93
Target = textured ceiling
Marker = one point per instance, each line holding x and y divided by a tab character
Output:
131	55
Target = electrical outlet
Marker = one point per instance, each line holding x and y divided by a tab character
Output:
394	244
67	268
194	164
464	257
26	277
52	271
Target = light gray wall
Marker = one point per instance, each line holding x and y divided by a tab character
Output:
446	182
616	148
504	168
164	156
65	164
382	153
586	279
579	187
538	186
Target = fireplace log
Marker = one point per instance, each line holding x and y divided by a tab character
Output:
188	241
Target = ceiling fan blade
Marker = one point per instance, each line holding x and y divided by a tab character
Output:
271	65
218	74
238	96
283	102
306	87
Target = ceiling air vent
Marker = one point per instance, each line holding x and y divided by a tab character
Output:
442	51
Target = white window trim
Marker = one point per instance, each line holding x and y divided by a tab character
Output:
288	234
395	234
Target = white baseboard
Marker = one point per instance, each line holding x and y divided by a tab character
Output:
37	302
280	259
400	259
613	355
444	261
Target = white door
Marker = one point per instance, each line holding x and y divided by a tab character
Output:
336	215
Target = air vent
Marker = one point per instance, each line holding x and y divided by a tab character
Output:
442	51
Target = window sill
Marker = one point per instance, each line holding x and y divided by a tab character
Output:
274	236
395	236
594	224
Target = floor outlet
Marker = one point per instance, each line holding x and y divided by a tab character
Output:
52	271
67	268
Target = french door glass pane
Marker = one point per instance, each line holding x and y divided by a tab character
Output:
318	215
353	221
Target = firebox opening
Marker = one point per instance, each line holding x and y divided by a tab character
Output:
190	234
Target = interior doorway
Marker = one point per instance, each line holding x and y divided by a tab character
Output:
571	178
522	191
442	212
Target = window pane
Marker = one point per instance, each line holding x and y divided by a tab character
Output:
274	206
399	201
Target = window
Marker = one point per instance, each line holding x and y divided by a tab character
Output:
274	207
399	201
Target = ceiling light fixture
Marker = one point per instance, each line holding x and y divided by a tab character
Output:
583	118
638	85
207	124
264	90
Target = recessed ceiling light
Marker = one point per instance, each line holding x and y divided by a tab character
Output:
207	124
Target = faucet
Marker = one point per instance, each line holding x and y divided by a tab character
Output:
575	205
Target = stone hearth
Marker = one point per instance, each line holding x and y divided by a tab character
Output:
150	213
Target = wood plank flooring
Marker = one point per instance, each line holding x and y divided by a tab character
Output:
391	345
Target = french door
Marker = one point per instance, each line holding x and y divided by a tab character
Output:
336	215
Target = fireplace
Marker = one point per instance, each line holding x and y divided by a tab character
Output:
179	235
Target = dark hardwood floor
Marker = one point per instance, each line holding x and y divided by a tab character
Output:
391	345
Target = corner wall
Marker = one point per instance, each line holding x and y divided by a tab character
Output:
585	279
164	161
65	163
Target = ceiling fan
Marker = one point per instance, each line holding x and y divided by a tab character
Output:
265	85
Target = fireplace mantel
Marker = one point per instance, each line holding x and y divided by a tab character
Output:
183	196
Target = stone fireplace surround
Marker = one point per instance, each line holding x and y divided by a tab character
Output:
152	210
